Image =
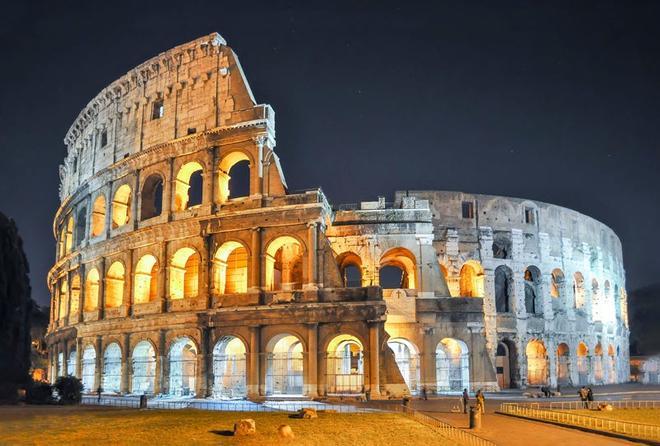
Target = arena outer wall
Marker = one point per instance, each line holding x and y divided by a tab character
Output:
160	290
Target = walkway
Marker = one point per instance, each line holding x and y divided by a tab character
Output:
505	430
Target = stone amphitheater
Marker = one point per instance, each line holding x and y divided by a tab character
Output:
185	267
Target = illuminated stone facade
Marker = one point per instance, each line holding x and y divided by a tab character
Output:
173	278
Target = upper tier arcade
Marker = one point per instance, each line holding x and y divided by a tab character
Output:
193	88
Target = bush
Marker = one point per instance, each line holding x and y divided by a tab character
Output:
39	393
69	388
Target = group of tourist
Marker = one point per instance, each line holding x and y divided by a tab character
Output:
586	396
479	396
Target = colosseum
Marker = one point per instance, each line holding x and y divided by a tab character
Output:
186	268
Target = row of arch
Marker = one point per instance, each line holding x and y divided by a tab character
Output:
581	368
229	275
187	193
345	357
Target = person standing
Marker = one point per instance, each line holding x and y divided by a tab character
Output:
466	400
582	393
481	401
590	396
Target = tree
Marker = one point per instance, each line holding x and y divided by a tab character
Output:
15	311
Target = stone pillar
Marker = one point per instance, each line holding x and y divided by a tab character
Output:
201	380
98	369
253	370
551	351
374	358
159	379
79	355
427	362
312	253
81	293
255	261
125	363
311	375
101	297
56	360
65	358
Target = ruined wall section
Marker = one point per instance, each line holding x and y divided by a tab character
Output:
581	283
189	89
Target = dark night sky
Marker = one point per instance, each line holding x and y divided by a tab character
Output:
555	101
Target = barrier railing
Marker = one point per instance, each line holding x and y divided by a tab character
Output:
575	405
219	405
565	416
445	429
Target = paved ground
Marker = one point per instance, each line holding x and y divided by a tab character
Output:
505	430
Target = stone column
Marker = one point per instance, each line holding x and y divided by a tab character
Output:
311	375
427	362
201	381
98	369
81	293
374	358
101	297
312	248
125	363
551	351
56	360
79	354
159	379
255	261
253	370
65	358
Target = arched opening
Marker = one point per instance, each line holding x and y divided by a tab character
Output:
611	364
71	363
607	311
146	280
183	367
452	366
284	264
112	368
533	298
234	176
557	286
230	268
88	368
229	369
537	363
345	365
583	364
74	305
60	364
121	206
406	356
472	280
92	290
284	368
68	235
81	226
596	304
578	289
64	299
505	364
151	197
188	186
98	216
114	285
144	368
617	303
502	246
598	364
503	289
563	365
184	274
397	269
350	268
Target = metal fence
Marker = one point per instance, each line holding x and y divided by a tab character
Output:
446	430
565	416
219	405
575	405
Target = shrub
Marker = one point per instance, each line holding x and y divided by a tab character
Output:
39	393
69	388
